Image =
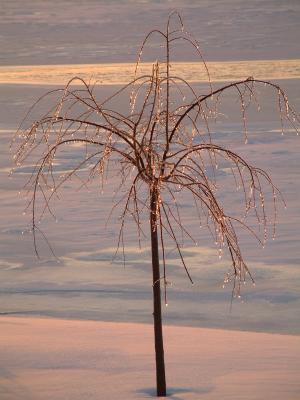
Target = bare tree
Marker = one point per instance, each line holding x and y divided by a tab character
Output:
162	146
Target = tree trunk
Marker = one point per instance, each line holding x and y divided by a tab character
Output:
159	347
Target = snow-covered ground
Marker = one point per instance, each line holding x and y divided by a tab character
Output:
50	359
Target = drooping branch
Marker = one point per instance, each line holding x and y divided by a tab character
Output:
158	140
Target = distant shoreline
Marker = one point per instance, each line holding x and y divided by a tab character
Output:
122	73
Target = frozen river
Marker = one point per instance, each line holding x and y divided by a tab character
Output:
85	284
